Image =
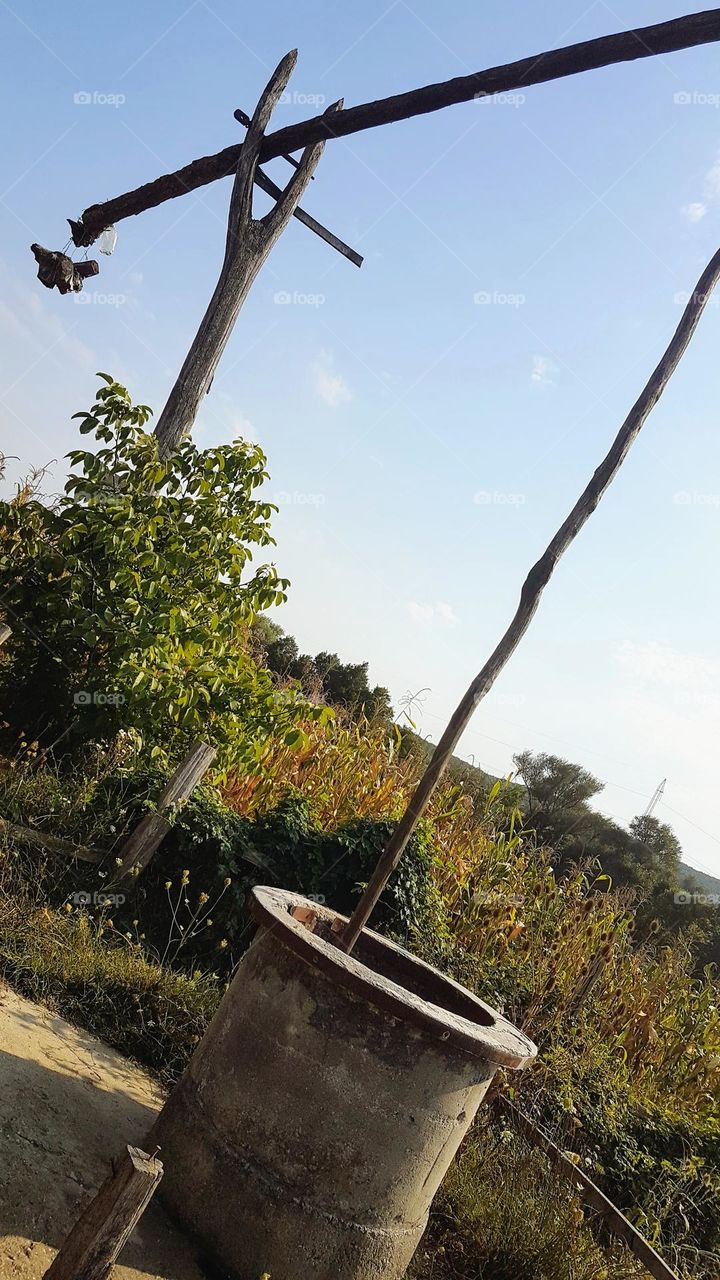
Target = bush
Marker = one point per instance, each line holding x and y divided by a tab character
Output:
134	597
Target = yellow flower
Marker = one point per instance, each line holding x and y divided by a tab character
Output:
226	882
223	944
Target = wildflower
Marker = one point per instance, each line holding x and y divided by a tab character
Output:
185	877
204	897
168	884
227	882
223	944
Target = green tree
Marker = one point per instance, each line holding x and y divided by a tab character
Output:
131	594
646	856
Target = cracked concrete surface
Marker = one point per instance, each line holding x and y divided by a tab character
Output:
68	1103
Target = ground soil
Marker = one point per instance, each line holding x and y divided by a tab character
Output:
68	1103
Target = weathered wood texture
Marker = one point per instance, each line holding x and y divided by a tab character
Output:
249	241
189	772
591	1195
530	595
150	832
48	844
266	184
141	846
624	46
5	633
92	1248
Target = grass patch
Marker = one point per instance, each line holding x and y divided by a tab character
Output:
100	980
503	1214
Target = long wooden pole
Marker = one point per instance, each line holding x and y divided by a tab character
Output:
532	590
624	46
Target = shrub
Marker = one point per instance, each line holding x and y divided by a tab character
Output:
133	595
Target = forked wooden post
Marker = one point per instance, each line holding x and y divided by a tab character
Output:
249	241
532	590
93	1246
147	837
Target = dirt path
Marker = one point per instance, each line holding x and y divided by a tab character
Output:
67	1104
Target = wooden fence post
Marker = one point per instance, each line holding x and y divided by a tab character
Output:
140	847
92	1248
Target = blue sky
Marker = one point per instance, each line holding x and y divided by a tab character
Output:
430	419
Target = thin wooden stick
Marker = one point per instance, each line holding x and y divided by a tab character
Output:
591	1195
532	590
91	1249
624	46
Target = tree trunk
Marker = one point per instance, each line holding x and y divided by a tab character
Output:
249	242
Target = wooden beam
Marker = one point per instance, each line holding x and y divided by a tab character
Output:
48	844
591	1195
145	840
530	595
556	64
93	1246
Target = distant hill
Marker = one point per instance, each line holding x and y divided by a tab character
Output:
691	878
475	781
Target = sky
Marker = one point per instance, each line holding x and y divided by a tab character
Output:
430	419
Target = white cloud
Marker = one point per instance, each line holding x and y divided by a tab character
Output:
542	371
695	211
440	612
331	387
